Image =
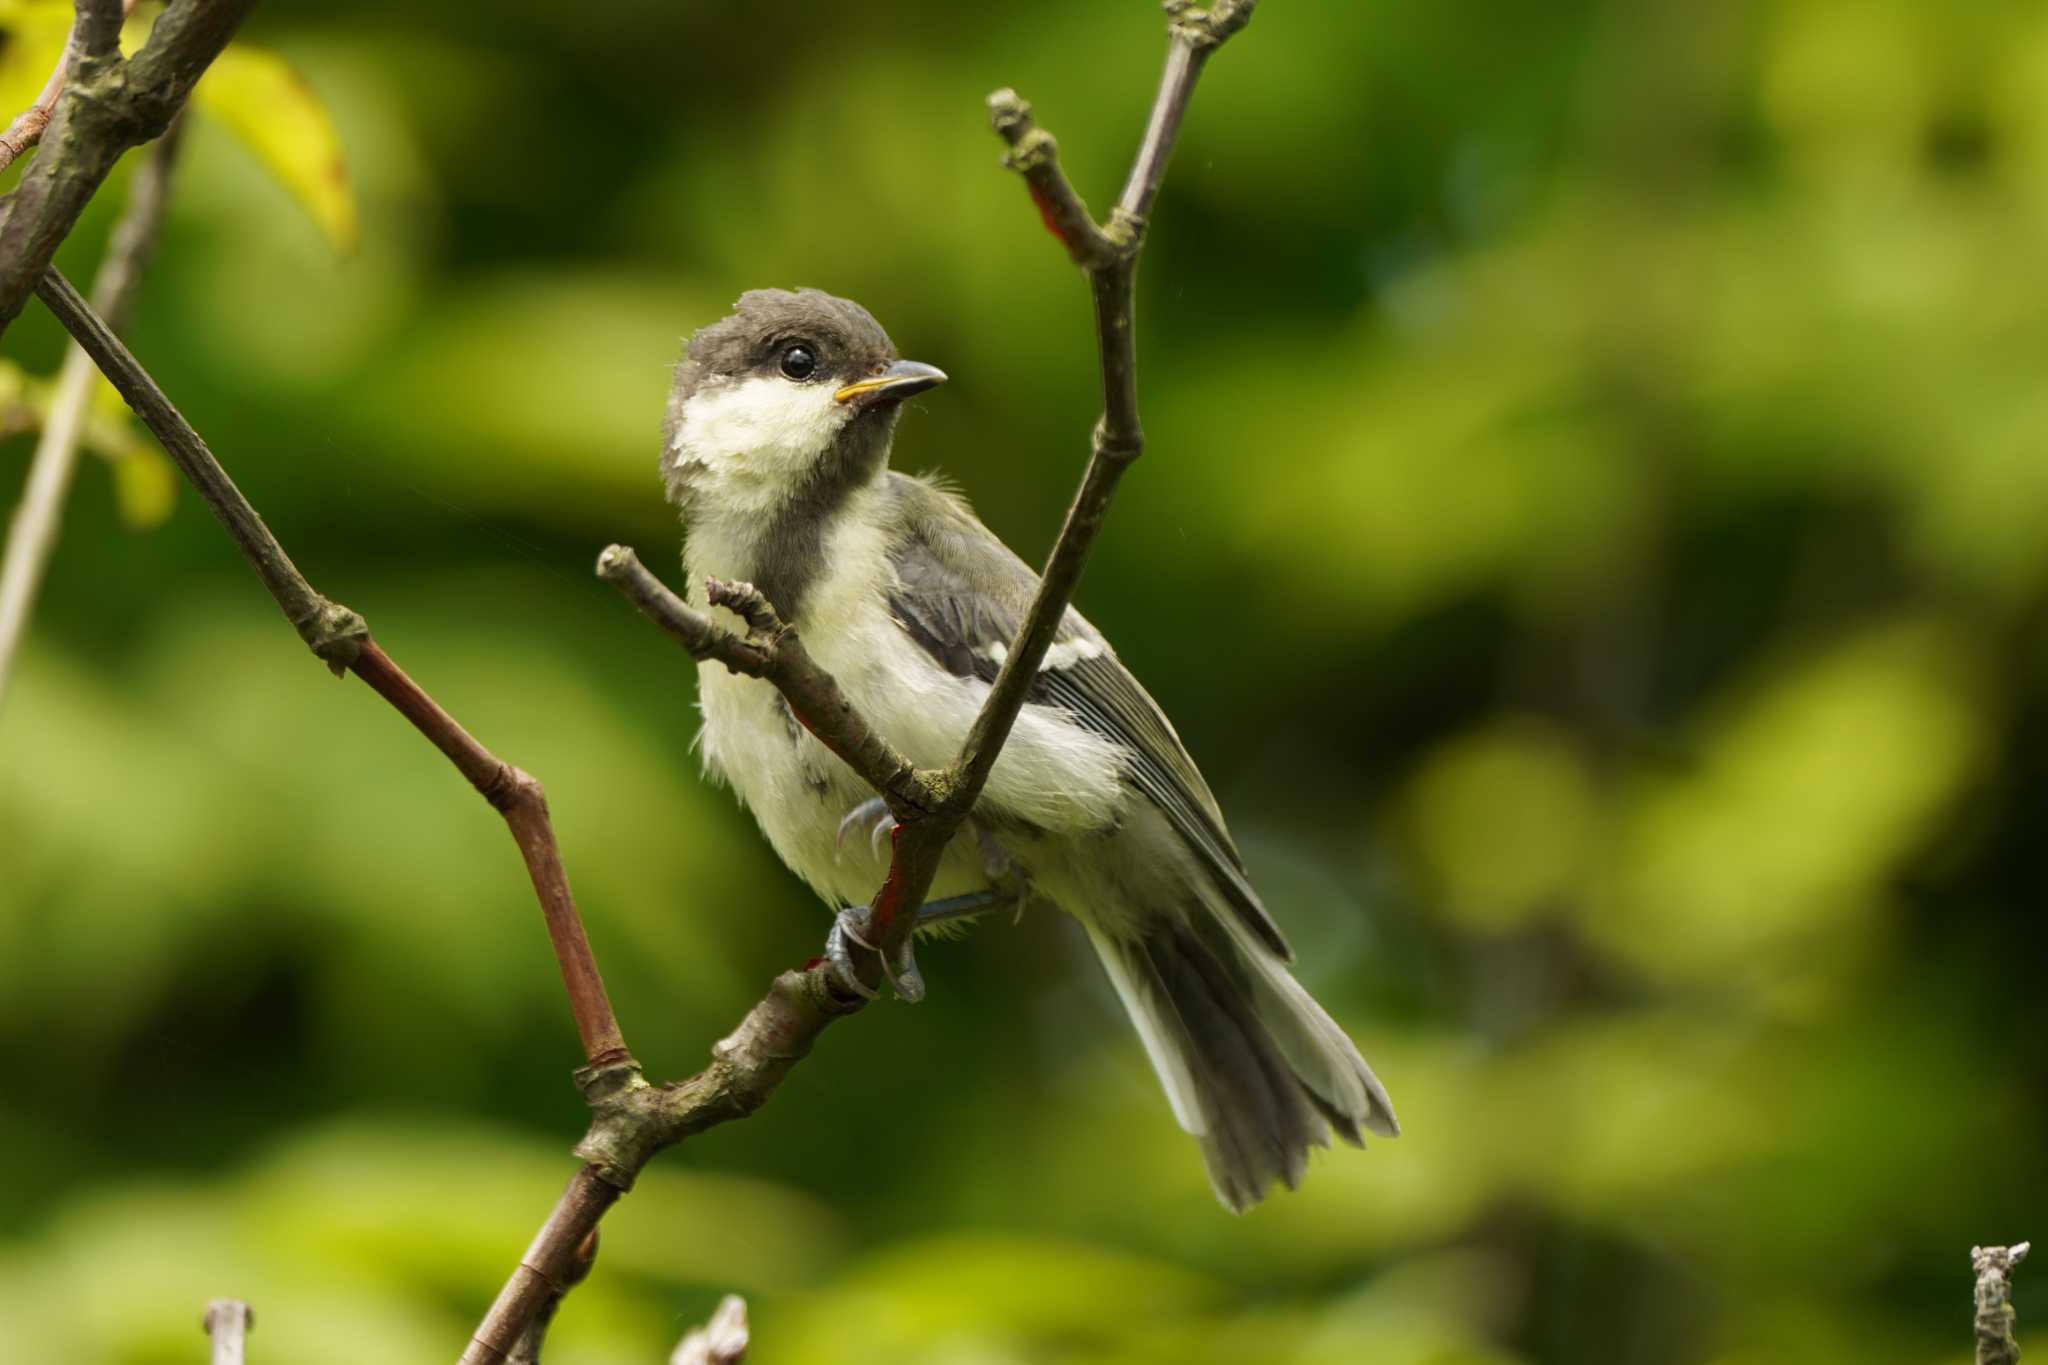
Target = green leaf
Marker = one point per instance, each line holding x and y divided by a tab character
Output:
263	100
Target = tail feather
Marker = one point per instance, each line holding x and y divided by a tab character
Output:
1252	1066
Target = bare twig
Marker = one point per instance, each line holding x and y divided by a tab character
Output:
773	651
721	1341
1108	256
341	637
33	534
632	1119
228	1322
1996	1344
91	29
109	104
526	1350
27	128
332	631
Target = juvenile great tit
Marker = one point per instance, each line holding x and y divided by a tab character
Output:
776	453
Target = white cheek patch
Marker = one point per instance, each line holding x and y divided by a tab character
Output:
757	439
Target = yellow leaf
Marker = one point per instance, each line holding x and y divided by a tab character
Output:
268	106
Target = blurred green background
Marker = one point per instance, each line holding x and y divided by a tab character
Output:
1594	537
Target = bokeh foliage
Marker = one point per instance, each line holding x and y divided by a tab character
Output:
1595	537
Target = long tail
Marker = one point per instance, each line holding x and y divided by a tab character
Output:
1250	1062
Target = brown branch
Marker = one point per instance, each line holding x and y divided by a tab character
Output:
773	651
1035	155
1996	1344
27	128
97	29
526	1350
109	104
632	1119
332	631
228	1322
1108	256
32	534
341	637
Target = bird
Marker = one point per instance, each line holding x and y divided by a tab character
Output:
775	452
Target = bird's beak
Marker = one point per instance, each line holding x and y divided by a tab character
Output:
892	385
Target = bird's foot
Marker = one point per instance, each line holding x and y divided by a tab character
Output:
850	930
873	814
965	907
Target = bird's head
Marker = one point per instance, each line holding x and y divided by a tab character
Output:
794	391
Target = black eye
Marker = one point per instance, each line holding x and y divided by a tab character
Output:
798	362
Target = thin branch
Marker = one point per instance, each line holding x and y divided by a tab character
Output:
1996	1344
342	638
33	534
27	128
721	1341
773	651
109	104
526	1350
1035	155
520	798
96	33
97	29
228	1322
1108	256
632	1119
332	631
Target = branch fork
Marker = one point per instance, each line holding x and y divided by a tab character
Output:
114	101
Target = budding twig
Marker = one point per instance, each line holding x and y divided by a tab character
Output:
1996	1344
1108	257
721	1341
228	1323
631	1118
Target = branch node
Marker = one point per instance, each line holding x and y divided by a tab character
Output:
1118	446
334	633
1204	30
1996	1344
625	1121
1126	231
1034	154
1009	113
1031	150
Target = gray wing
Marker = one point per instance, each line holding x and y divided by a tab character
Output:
961	595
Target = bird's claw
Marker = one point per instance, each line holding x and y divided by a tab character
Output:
1008	882
851	929
874	810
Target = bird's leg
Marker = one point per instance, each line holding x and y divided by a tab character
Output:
1010	886
1009	883
963	907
